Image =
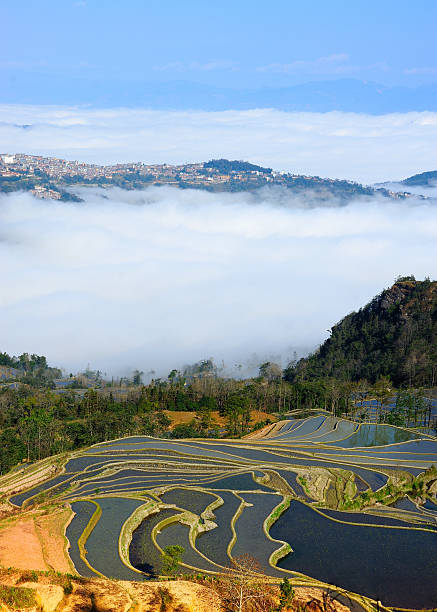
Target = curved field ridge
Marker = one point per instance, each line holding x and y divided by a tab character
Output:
322	499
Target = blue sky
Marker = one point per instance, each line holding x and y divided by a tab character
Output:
237	44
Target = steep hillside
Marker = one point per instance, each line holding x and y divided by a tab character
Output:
395	335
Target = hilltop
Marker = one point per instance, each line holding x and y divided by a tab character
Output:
424	179
393	335
58	179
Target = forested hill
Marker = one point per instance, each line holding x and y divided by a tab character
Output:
394	335
425	179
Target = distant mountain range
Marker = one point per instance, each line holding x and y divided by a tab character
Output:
59	179
349	95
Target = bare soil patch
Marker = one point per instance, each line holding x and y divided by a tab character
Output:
184	417
20	546
36	542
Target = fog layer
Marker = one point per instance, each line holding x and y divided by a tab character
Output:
354	146
161	277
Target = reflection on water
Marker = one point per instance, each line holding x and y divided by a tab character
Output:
377	435
396	566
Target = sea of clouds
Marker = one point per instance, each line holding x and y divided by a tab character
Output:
354	146
159	278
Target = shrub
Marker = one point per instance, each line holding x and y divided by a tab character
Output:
28	576
286	595
67	587
171	558
162	598
17	597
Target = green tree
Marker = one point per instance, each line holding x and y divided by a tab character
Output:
12	450
173	376
35	425
271	371
137	376
170	559
286	595
382	390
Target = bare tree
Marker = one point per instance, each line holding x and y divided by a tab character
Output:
246	585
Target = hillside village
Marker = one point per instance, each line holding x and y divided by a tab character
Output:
55	178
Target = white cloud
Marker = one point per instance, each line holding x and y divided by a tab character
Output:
161	277
339	145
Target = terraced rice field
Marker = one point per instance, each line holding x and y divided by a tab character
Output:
285	496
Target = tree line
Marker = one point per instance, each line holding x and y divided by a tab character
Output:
36	423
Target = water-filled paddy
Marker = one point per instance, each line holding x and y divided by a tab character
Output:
397	566
213	543
376	435
239	482
78	464
176	532
429	505
251	538
343	429
188	499
143	554
307	427
418	451
57	482
141	485
291	478
405	504
102	544
240	453
83	512
365	519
